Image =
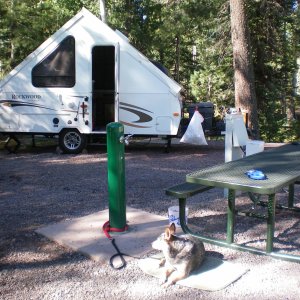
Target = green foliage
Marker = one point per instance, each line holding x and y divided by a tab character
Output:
273	33
209	76
138	20
213	82
24	26
274	125
168	31
69	8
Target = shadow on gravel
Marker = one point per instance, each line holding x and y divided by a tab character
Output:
63	259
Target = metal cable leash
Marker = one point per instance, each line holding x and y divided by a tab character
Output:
106	229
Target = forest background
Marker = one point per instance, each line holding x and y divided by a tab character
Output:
192	39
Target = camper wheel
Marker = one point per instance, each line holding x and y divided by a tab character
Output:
71	141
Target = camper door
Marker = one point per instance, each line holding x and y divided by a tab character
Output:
105	66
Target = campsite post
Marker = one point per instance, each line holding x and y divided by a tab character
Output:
116	175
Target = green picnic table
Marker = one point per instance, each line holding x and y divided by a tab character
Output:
281	166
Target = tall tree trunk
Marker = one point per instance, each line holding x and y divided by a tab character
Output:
102	10
12	32
245	97
177	59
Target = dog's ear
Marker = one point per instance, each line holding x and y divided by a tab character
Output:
172	228
167	234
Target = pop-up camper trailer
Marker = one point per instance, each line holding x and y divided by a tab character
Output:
80	79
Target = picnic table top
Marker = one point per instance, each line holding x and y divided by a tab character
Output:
281	166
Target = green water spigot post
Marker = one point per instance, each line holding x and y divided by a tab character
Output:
116	175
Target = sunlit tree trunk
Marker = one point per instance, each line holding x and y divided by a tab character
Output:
245	97
102	10
12	45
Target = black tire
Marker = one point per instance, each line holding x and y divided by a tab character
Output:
71	141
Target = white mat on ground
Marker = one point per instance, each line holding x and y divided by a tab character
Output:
213	275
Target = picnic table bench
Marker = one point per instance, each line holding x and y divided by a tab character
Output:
186	189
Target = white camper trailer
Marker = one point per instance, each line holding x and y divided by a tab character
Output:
80	79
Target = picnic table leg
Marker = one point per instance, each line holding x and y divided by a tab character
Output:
291	195
182	205
270	223
230	216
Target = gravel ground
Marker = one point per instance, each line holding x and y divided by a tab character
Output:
39	187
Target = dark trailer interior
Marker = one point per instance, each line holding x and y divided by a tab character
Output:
103	79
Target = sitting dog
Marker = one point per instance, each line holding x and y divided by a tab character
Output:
182	255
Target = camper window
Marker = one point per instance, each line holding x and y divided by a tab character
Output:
58	68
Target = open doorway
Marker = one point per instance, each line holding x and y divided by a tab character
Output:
103	78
